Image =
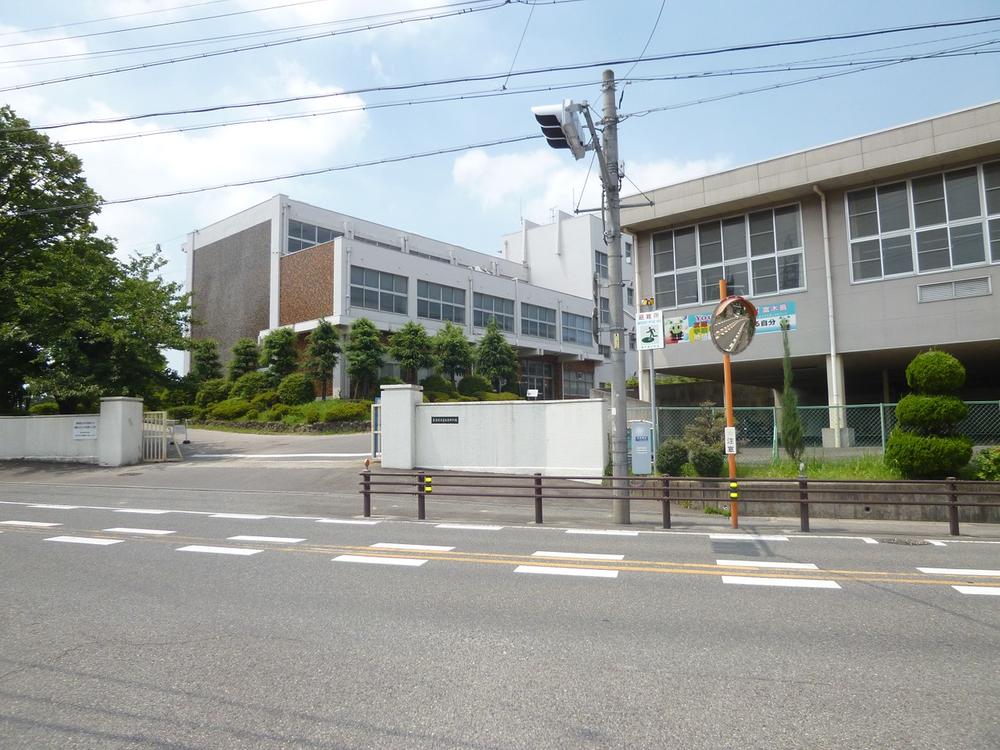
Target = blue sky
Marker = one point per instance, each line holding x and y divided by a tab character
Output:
469	198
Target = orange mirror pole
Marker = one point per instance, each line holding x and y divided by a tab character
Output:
727	374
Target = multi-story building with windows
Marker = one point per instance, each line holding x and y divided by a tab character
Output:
874	249
287	263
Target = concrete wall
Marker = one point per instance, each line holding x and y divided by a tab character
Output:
111	438
511	437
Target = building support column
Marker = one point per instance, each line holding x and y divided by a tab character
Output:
837	435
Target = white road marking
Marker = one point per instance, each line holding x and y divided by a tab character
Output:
346	521
55	507
468	526
276	539
603	532
240	516
577	555
31	524
405	562
801	583
147	532
978	590
959	572
965	541
751	537
218	550
418	547
583	572
281	455
142	511
84	540
865	539
935	542
754	564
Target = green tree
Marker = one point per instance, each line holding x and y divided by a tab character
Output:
411	347
454	351
204	360
495	358
364	352
792	438
278	354
246	358
321	353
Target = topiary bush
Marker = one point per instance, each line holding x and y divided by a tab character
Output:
45	408
925	414
707	461
390	380
186	411
212	392
439	384
264	400
473	385
231	408
988	465
249	385
670	457
296	389
927	456
935	373
347	411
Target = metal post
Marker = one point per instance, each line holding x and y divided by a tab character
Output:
952	507
366	492
803	503
666	502
727	374
538	497
421	507
881	419
652	404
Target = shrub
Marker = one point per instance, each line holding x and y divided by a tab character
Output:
264	400
231	408
927	456
249	385
347	411
438	384
930	415
935	372
472	385
296	389
212	392
988	465
390	380
502	396
707	461
251	416
670	457
44	408
276	413
187	411
311	413
705	430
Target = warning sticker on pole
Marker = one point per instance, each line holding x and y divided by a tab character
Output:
730	439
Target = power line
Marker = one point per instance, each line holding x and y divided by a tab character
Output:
656	23
113	18
519	43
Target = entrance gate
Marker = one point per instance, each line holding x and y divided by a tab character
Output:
156	434
376	430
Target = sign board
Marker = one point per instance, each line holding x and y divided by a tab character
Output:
641	447
730	440
733	325
444	420
771	315
649	330
85	429
532	393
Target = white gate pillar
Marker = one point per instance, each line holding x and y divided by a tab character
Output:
399	425
119	436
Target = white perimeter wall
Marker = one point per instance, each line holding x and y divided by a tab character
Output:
513	437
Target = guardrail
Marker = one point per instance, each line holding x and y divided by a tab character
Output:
951	494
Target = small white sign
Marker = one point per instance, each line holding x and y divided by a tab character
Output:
84	429
730	438
649	330
532	393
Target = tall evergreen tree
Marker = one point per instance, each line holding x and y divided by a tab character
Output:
495	358
454	351
321	353
278	354
411	347
246	358
364	352
791	424
204	360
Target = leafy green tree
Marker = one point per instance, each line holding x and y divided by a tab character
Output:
322	354
204	360
246	358
278	354
792	438
495	358
365	353
454	351
411	347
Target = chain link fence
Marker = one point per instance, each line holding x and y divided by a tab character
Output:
758	428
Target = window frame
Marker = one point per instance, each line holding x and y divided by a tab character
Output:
586	331
379	290
500	317
454	306
527	321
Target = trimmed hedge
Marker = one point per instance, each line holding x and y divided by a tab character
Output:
473	385
670	457
935	372
707	462
927	456
249	385
503	396
930	415
45	408
439	384
296	389
231	408
347	411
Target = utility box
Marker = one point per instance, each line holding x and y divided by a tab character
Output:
640	446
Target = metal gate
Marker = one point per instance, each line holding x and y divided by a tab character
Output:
156	433
376	430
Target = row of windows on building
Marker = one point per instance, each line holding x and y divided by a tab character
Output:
388	292
540	376
931	223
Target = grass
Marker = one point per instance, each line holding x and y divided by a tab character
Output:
847	469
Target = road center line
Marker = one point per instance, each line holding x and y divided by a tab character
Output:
240	516
551	571
55	507
978	590
347	521
218	550
142	511
148	532
603	532
755	564
802	583
84	540
468	526
276	539
935	542
959	572
366	559
577	555
31	524
415	547
751	537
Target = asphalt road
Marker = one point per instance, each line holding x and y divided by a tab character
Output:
302	634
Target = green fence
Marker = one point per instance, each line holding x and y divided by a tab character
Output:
758	428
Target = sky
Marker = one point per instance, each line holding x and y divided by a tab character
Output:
716	110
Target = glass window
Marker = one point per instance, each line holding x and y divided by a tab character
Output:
577	329
897	255
962	189
577	384
378	290
663	252
710	243
762	233
893	210
866	260
665	291
684	248
932	250
605	311
788	228
789	272
928	201
765	276
538	321
486	307
862	213
302	235
439	302
967	244
991	176
601	263
734	238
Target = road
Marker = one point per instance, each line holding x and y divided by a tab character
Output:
145	617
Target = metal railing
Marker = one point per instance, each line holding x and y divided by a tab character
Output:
376	430
156	434
950	494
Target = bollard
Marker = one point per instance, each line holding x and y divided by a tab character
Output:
803	504
538	497
421	507
952	507
665	500
366	492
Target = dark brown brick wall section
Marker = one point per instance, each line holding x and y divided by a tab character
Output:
306	285
230	283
